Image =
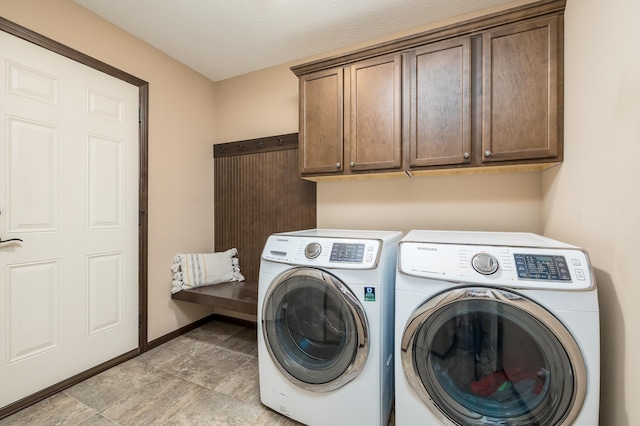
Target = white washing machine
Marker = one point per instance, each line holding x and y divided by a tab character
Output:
495	328
325	325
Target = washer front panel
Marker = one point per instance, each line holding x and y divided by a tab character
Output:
479	356
548	268
323	252
315	329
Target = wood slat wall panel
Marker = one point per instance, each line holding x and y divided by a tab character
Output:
257	195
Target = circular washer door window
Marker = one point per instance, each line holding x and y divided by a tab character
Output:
315	329
482	356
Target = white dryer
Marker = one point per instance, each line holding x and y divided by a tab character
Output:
325	325
495	328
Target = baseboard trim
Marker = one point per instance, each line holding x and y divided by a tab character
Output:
58	387
53	389
187	328
179	332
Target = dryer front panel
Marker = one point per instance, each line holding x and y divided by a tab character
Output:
315	329
478	356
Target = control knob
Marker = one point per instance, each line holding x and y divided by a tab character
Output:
312	250
484	263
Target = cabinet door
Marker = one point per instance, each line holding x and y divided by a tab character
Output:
440	104
321	128
520	100
375	114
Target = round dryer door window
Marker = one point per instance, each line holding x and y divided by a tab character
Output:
485	356
315	329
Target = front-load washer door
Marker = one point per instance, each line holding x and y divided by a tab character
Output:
315	329
478	356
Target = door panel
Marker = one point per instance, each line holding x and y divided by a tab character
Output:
321	127
33	331
441	104
32	174
104	284
69	184
520	92
105	182
375	125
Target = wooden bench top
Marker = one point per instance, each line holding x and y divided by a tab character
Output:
239	297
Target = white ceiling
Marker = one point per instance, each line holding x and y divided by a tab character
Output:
225	38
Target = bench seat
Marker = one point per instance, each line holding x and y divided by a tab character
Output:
241	297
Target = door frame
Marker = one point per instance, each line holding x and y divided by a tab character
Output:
143	136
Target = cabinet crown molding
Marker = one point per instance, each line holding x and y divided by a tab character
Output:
463	28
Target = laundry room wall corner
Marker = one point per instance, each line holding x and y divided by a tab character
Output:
591	199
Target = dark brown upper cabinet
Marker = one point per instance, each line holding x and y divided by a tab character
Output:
481	95
440	103
350	118
373	114
321	135
520	102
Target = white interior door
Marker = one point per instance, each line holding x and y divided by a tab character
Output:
68	189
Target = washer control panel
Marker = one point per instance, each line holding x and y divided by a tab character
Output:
348	252
323	252
524	267
542	267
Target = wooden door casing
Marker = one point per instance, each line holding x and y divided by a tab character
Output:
143	132
72	179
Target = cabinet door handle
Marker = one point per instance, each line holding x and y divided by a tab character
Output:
487	153
338	165
466	155
352	164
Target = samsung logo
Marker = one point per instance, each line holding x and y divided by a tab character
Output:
428	248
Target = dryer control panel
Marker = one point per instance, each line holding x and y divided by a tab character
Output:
323	252
517	267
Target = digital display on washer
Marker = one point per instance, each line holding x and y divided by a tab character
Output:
342	252
542	267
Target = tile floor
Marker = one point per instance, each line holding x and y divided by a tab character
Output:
208	376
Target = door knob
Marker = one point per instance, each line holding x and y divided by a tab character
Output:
9	240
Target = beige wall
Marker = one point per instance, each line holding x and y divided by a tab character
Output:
265	103
181	129
593	200
487	202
